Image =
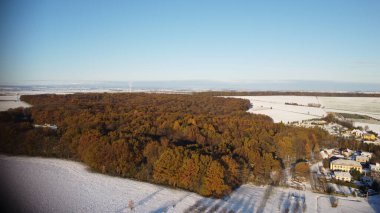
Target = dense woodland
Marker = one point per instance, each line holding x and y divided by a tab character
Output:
209	145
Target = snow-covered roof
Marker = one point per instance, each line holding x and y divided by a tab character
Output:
367	154
375	166
324	155
338	156
346	162
329	151
347	150
357	131
342	174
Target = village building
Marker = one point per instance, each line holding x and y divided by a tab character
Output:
344	176
336	156
357	133
346	134
345	165
375	167
324	154
327	153
347	152
314	105
369	137
367	154
362	159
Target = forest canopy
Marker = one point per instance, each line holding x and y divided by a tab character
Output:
198	142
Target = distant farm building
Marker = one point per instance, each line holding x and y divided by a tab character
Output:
313	105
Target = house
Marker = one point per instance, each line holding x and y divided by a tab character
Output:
345	165
361	158
336	156
375	167
344	176
357	133
368	136
329	151
346	134
367	154
347	152
324	154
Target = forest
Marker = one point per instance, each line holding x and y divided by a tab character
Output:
197	142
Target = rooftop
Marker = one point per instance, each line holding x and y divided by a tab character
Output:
346	162
342	174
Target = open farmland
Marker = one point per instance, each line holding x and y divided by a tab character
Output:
10	102
53	185
275	107
358	105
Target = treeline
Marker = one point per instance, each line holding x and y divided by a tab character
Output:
205	144
270	93
331	118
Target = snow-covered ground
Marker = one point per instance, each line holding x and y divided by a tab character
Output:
10	102
275	107
360	105
348	205
373	127
54	185
5	105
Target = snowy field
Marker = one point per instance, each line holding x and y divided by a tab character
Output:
54	185
359	105
10	102
373	127
5	105
275	107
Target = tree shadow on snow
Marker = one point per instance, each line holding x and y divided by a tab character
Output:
236	203
374	202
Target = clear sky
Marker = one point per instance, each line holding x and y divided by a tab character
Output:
127	40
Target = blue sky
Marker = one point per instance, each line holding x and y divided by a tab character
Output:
80	40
